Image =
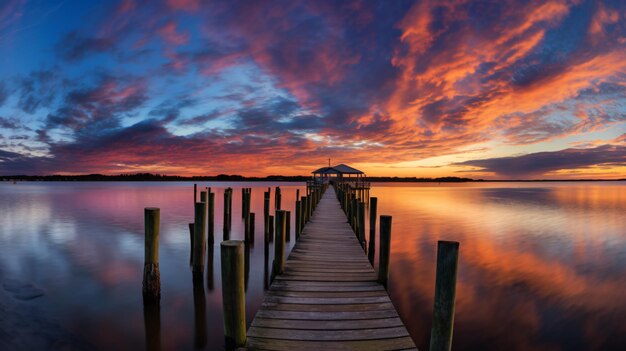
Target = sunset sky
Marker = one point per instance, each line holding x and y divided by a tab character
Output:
482	89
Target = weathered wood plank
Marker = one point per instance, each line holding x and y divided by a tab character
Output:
327	308
327	325
325	316
404	343
327	300
320	294
328	335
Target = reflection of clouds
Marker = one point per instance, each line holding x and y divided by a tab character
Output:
62	232
83	242
538	267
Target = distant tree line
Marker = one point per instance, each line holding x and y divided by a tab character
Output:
147	177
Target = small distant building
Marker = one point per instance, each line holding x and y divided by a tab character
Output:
338	173
350	177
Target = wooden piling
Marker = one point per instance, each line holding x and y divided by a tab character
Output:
266	213
385	248
279	243
445	296
251	227
199	237
277	198
353	214
297	219
371	249
211	224
302	213
361	224
248	200
151	285
233	293
190	244
195	193
243	202
287	225
227	213
230	207
203	196
270	231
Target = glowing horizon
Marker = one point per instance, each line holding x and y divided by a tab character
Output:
492	90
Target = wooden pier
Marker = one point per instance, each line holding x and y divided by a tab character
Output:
328	297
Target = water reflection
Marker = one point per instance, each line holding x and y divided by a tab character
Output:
199	307
209	270
541	265
82	245
152	322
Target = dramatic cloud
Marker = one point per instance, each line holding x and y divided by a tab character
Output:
441	85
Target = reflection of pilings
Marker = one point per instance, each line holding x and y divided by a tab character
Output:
266	212
246	271
211	221
270	232
152	323
251	228
190	243
199	308
209	272
288	225
266	254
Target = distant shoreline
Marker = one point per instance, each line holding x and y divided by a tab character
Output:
147	177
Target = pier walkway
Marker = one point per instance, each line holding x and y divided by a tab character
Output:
328	297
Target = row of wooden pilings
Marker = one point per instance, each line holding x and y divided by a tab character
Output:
234	253
353	203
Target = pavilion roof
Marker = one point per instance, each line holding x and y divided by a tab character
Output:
338	169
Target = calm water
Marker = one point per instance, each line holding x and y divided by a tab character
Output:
542	265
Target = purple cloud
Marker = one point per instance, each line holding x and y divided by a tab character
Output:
540	163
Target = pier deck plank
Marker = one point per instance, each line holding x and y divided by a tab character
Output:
328	297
